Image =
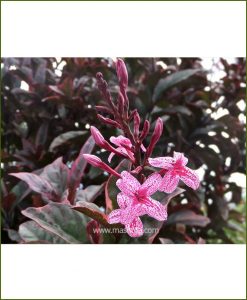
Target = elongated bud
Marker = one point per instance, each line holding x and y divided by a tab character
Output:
137	121
137	170
145	130
103	109
101	142
103	87
98	137
102	84
158	129
122	73
120	104
131	116
93	160
97	162
108	121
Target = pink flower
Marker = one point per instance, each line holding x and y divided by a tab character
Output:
123	143
176	169
124	147
135	201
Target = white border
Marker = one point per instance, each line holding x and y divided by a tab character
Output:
123	271
206	29
134	29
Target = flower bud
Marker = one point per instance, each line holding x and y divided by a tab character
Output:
137	121
121	103
98	137
158	129
103	109
131	116
122	73
101	142
145	130
98	163
93	160
108	121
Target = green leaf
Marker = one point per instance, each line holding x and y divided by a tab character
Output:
171	80
30	231
111	190
61	220
64	138
14	235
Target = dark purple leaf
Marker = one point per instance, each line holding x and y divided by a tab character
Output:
37	184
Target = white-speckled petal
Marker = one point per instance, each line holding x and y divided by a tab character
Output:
169	182
161	162
155	209
135	228
152	184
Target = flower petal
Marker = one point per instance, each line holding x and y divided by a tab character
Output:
115	216
169	182
178	156
126	152
152	184
110	157
128	184
143	148
161	162
123	200
190	178
135	228
121	141
155	209
131	212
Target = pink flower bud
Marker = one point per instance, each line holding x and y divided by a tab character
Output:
103	109
145	130
98	137
101	142
93	160
121	103
122	73
137	170
158	129
131	116
137	121
108	121
98	163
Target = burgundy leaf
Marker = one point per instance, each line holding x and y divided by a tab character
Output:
188	217
93	232
37	184
78	168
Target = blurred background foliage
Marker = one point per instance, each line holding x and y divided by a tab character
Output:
48	107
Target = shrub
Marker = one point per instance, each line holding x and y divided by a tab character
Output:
47	109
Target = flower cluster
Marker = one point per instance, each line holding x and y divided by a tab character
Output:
134	197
